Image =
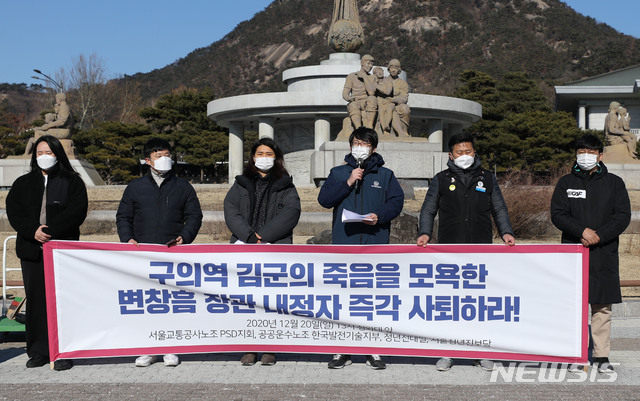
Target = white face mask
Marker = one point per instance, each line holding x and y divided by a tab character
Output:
264	164
45	162
163	164
464	161
587	161
360	152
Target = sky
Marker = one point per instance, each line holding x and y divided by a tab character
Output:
133	36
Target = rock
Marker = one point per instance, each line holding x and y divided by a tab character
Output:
321	239
404	229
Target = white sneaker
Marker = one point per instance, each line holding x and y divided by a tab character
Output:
145	360
171	360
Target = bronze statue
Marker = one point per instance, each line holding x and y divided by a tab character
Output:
384	88
625	119
58	126
614	129
393	109
359	90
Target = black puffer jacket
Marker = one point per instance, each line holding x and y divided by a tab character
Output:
598	201
156	215
66	210
283	210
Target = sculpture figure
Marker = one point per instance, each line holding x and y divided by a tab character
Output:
50	117
624	120
393	110
359	91
59	127
384	90
345	33
383	85
614	131
378	72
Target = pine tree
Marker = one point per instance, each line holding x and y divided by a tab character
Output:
519	130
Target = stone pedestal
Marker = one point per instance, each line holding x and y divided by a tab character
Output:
410	159
617	153
629	172
69	149
617	159
12	168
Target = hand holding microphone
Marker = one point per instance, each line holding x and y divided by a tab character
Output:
358	173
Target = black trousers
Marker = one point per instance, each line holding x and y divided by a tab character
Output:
36	325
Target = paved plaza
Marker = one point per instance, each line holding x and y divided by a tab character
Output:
306	377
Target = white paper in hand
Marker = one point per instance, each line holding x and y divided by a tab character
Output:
352	217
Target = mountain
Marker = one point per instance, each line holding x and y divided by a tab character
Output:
22	102
434	39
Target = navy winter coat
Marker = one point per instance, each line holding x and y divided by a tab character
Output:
155	215
598	201
283	210
379	193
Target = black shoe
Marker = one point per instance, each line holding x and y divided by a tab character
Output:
37	361
20	318
576	368
376	362
603	365
63	364
339	361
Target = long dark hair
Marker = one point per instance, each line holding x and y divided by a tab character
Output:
56	147
278	169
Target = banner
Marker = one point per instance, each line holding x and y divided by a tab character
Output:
526	302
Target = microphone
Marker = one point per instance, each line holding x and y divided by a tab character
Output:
356	186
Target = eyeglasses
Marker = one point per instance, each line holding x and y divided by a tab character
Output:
360	143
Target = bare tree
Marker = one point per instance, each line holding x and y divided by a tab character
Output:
93	97
85	82
127	100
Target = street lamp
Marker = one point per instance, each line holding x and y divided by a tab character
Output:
47	79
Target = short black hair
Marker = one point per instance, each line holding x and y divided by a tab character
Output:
364	134
461	138
589	141
155	145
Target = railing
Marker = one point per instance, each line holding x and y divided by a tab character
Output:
6	284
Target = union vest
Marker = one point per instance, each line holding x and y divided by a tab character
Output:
464	211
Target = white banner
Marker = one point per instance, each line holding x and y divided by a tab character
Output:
527	302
